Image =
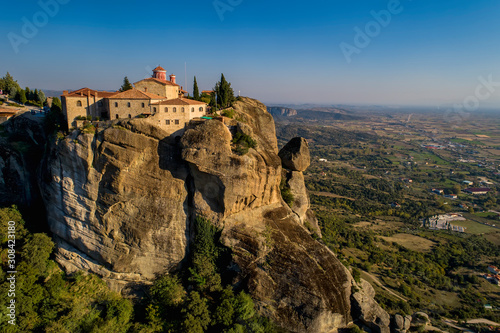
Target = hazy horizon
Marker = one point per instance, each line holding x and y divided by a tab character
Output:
407	53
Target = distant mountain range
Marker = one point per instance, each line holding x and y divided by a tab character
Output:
52	93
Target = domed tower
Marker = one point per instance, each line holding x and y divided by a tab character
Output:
160	73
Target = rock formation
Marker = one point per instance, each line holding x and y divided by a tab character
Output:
295	155
279	111
401	324
368	311
121	202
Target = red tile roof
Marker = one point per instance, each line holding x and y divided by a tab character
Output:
164	82
135	94
87	92
159	68
180	101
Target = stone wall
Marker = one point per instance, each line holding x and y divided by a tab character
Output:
83	106
129	108
157	88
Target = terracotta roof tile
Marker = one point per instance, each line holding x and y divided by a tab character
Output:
164	82
89	92
135	94
180	101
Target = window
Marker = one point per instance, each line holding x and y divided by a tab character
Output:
129	115
154	109
116	104
166	109
175	110
177	121
167	122
182	110
78	103
201	109
128	104
143	105
99	103
192	109
116	116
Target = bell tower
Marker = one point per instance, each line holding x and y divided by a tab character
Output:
160	73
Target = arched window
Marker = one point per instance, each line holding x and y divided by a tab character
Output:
78	103
116	104
129	115
167	122
182	109
154	109
166	109
116	116
99	103
128	104
201	109
175	110
143	105
192	109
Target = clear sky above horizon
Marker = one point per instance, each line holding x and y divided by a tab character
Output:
430	53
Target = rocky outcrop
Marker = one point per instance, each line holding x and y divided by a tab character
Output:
401	324
367	311
278	111
117	202
420	319
21	149
294	180
295	155
121	203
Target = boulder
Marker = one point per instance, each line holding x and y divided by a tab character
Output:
367	311
420	318
401	324
295	155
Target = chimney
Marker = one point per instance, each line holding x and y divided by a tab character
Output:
65	92
172	78
145	89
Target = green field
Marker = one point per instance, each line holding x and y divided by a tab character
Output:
475	227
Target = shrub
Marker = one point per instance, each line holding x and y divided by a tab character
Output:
88	128
228	113
243	143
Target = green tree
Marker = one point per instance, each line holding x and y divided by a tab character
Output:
126	84
9	85
196	91
55	121
196	314
28	93
22	96
41	96
224	92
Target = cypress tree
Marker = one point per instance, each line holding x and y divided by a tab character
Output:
225	94
196	91
126	85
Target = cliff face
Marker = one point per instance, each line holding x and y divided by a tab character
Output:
278	111
120	203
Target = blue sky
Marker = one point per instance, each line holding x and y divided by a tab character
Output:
431	53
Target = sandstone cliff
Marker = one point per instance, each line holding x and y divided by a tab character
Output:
121	202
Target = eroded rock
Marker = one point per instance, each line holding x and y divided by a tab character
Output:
295	155
367	311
